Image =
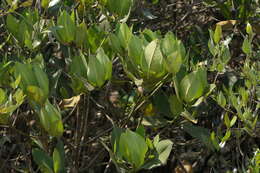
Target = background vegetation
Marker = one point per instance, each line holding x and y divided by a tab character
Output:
129	86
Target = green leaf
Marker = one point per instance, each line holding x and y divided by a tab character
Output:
115	44
124	34
249	29
175	105
174	51
189	116
45	3
99	69
198	132
140	130
115	138
214	141
156	140
17	81
59	158
227	120
217	34
133	148
233	121
12	24
212	47
153	65
3	96
66	32
225	55
120	8
42	160
95	38
221	99
226	137
50	119
27	75
106	63
164	148
79	66
246	47
135	51
193	85
42	80
81	35
162	104
56	160
149	35
36	94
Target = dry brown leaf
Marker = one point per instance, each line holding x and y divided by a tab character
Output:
186	165
70	103
227	24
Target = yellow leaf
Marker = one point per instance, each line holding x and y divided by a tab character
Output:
227	24
70	103
149	110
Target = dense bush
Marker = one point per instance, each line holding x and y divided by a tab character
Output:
83	89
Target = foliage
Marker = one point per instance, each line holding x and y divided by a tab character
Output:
57	56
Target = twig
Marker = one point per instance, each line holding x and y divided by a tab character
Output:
92	161
8	157
85	120
98	136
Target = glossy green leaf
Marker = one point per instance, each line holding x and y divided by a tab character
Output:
174	51
135	51
153	65
99	69
217	34
156	140
124	34
249	29
133	148
42	79
67	29
42	160
164	148
193	85
106	63
50	119
246	47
